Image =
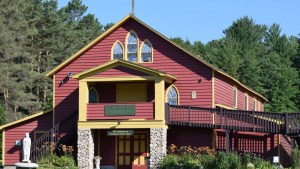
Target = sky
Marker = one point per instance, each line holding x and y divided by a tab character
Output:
198	20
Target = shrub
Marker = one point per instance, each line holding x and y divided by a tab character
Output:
171	161
53	161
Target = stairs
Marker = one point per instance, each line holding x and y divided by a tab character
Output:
57	135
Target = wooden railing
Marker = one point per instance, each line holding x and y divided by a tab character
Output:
49	140
284	123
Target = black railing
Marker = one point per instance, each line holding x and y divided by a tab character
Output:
49	140
269	122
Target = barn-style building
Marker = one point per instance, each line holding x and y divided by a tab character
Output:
132	92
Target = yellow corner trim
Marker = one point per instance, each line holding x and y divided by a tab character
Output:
122	124
24	119
3	147
213	89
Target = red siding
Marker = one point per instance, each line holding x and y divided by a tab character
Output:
224	93
120	71
262	144
95	111
167	58
17	132
189	136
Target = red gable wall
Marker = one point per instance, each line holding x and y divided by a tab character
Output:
17	132
167	58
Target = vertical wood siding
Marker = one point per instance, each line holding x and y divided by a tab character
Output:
17	132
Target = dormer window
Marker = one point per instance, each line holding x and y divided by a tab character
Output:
146	51
117	51
132	47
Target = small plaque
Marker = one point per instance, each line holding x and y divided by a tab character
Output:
275	159
119	110
18	142
120	132
194	95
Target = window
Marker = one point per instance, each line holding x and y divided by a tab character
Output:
235	98
258	106
146	52
254	104
93	96
117	51
172	96
132	47
246	102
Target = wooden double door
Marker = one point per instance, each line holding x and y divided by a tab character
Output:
132	151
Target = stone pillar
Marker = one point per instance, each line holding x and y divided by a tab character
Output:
158	146
85	145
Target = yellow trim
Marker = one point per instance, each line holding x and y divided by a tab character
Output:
225	107
83	100
235	102
254	104
24	119
120	78
246	97
113	47
167	91
53	99
114	27
258	106
3	147
137	45
159	99
141	48
92	88
115	63
38	132
121	124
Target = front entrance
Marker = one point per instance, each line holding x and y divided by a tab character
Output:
132	151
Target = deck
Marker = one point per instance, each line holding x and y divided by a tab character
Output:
219	118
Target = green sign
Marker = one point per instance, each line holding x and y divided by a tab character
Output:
119	110
120	132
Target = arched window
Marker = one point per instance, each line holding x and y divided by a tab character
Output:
117	52
172	96
93	95
146	51
132	47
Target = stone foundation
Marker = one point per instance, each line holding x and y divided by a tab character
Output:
158	146
85	145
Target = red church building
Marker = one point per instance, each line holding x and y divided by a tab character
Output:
132	92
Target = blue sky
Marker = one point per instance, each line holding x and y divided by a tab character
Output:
198	20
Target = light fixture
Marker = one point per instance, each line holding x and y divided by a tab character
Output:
70	74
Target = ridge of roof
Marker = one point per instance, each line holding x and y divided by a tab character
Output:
130	16
24	119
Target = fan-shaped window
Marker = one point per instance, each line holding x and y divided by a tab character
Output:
93	96
117	51
146	52
172	96
132	47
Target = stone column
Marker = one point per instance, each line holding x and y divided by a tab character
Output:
158	146
85	145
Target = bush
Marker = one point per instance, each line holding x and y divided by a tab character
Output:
296	158
171	161
53	161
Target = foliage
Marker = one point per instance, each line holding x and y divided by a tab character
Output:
296	158
188	159
258	56
54	161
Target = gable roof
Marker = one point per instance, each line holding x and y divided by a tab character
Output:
117	25
24	119
115	63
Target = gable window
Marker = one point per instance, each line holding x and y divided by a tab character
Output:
146	51
132	47
172	96
117	51
93	95
235	98
246	102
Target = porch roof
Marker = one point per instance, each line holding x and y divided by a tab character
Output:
131	65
